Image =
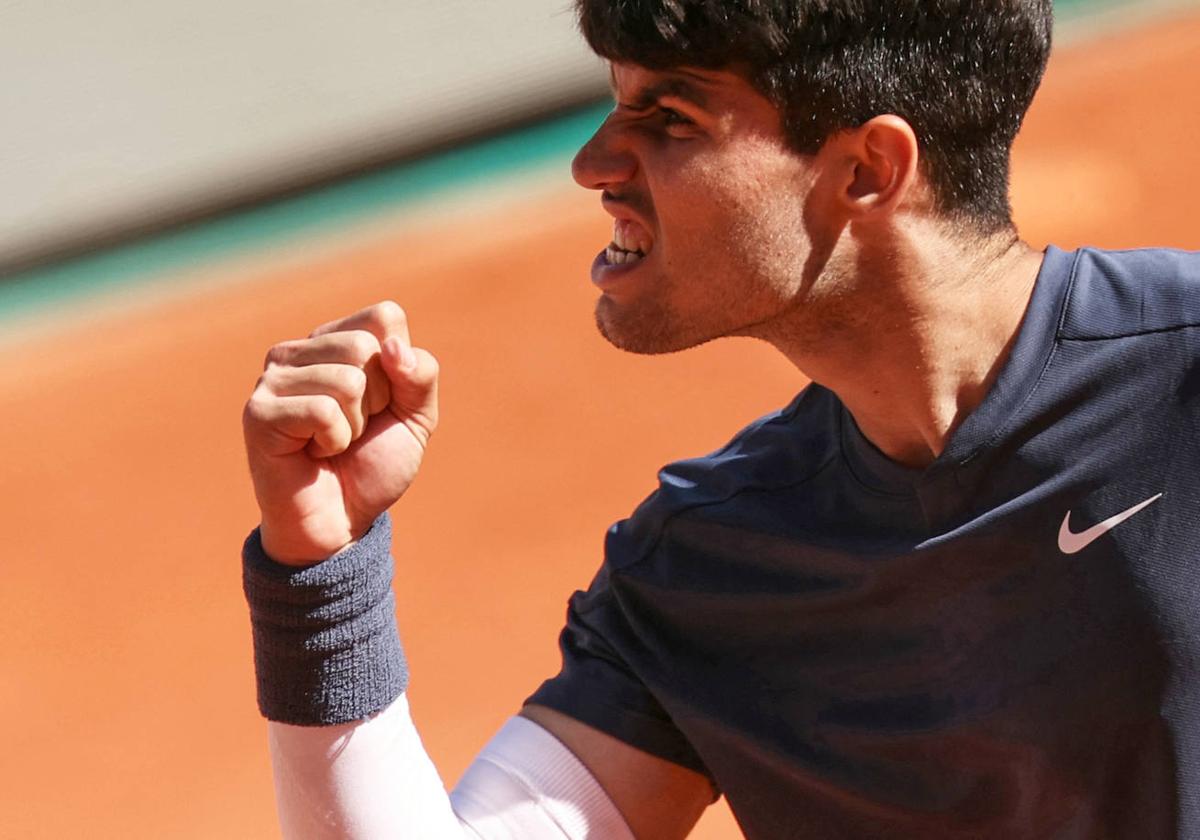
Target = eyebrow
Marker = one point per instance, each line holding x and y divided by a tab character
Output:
672	86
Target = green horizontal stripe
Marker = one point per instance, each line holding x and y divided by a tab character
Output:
333	208
336	207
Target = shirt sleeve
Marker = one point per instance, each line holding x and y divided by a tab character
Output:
597	687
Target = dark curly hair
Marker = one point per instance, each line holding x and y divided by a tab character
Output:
961	72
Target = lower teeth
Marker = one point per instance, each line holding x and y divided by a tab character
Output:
615	256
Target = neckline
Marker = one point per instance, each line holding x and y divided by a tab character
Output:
1025	365
869	464
1016	382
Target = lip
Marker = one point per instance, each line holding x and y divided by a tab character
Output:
623	210
606	276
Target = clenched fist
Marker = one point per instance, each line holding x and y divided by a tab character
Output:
335	431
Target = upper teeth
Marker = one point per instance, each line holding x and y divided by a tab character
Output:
616	256
629	236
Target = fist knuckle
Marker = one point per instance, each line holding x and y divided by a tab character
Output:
363	345
255	410
271	379
327	412
353	380
389	314
277	355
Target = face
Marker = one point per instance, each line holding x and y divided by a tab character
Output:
708	206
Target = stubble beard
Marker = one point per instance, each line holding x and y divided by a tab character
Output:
650	329
743	295
649	325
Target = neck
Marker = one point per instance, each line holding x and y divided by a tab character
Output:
913	337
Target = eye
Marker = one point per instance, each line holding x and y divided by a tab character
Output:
674	124
672	117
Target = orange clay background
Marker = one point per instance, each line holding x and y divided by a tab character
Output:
126	687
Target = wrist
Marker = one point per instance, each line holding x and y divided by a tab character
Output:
325	643
286	548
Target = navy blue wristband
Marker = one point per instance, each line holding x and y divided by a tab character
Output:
326	648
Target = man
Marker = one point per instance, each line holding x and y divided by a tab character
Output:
948	592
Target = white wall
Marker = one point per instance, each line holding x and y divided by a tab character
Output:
117	113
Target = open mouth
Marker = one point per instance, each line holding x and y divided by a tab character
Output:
630	243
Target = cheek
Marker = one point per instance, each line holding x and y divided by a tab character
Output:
705	199
692	209
742	207
761	212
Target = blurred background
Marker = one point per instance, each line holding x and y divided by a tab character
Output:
184	185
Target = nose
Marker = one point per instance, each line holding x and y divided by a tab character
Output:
604	160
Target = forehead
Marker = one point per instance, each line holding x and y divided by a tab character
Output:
721	101
702	87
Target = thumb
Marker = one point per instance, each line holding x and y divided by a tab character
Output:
413	376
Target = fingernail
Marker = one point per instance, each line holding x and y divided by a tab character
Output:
408	359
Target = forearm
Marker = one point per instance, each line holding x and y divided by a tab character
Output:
373	779
363	779
348	761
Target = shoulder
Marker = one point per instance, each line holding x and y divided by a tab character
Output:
766	452
779	449
1117	294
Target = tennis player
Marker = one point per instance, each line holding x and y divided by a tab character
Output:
950	591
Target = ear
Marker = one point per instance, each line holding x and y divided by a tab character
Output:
880	158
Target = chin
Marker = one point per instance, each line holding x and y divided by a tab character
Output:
646	330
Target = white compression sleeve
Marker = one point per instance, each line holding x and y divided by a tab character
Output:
372	780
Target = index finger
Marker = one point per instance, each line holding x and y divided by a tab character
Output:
383	320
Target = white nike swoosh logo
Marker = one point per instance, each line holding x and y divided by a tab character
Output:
1069	543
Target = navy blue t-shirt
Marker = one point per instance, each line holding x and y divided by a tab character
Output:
1004	644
